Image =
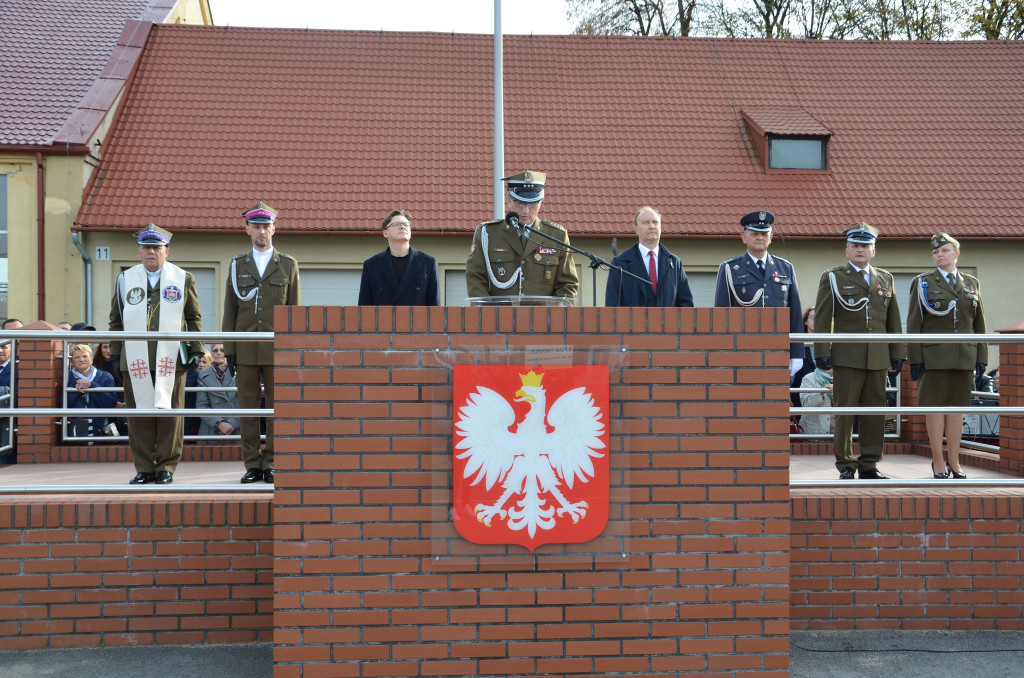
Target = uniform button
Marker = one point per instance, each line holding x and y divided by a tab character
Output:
259	322
522	262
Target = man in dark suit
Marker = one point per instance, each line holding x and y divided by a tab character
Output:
858	298
756	278
652	261
400	275
258	280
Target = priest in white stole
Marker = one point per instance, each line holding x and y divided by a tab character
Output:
155	296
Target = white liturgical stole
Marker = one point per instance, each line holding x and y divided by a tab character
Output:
150	393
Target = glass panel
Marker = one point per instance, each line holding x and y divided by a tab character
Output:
796	154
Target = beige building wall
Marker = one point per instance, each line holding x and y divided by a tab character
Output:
330	266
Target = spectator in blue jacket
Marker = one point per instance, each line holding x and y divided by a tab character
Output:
83	377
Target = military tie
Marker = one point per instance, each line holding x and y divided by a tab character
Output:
652	271
760	267
952	279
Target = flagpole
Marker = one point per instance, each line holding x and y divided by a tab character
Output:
499	117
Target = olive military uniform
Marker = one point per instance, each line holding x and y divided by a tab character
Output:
156	442
846	303
279	285
940	307
503	263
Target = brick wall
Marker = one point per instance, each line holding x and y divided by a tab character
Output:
81	571
691	574
907	559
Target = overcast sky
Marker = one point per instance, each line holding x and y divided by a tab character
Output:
442	16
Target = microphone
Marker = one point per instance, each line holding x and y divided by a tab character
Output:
512	219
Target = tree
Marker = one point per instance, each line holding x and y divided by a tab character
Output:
825	19
632	17
995	20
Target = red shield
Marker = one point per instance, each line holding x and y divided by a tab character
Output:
530	457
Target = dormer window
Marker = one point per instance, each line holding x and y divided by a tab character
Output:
785	152
788	138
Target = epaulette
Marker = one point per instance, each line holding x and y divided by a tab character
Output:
287	256
968	276
492	222
552	224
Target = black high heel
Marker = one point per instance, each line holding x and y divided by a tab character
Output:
958	476
939	476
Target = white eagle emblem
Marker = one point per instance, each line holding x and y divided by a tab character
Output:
536	461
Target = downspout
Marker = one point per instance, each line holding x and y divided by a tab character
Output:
88	277
40	237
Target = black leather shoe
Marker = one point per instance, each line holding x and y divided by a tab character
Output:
253	475
846	474
939	476
268	476
958	476
872	474
142	478
164	478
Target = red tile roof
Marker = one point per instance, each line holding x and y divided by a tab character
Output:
59	59
334	128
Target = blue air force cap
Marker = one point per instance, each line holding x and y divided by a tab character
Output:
758	221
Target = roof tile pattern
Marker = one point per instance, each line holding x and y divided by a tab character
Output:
334	128
51	54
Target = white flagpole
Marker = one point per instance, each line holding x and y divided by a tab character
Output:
499	118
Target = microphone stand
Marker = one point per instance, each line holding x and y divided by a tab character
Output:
596	262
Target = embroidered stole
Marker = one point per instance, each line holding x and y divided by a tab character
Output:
150	394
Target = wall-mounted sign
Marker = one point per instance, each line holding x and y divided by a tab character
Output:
530	453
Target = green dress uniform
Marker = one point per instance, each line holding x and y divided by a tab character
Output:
156	442
846	303
939	307
249	307
503	263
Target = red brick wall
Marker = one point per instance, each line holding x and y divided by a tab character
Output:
907	559
690	576
81	571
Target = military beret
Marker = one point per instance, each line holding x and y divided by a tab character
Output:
758	221
862	233
153	235
526	186
260	213
940	239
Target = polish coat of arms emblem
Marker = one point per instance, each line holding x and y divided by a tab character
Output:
531	455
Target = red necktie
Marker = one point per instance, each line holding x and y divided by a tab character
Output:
652	271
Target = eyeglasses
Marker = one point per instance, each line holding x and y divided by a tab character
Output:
400	223
216	350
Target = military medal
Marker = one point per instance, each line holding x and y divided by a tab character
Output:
547	274
784	288
501	270
536	257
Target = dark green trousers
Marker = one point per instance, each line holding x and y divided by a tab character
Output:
156	442
866	388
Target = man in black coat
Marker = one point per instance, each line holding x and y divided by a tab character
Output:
651	261
400	275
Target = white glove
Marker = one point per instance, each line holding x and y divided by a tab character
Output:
794	366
